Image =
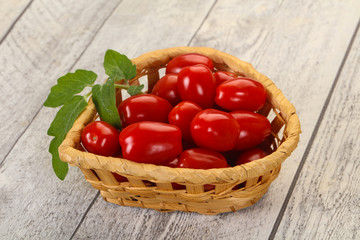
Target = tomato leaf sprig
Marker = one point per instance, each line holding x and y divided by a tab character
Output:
105	102
64	93
118	66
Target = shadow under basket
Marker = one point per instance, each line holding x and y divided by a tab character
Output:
171	189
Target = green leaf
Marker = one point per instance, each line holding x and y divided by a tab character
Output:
105	103
66	116
118	66
60	126
60	168
69	85
134	90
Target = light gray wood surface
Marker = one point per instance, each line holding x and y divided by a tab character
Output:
43	45
10	12
325	203
291	42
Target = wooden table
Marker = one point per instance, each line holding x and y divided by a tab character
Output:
310	49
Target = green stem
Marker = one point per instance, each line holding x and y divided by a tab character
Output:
86	96
121	86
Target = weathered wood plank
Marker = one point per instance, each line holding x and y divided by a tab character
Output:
10	11
286	40
325	201
33	202
42	46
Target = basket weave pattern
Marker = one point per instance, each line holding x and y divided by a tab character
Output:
150	186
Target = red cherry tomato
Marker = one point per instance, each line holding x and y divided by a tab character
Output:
144	107
254	128
150	142
179	62
201	158
101	138
215	129
173	163
182	115
223	76
197	84
166	88
250	155
241	94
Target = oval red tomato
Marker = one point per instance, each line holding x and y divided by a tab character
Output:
241	94
215	129
254	128
166	88
150	142
201	158
172	163
179	62
182	115
197	84
144	107
223	76
100	138
250	155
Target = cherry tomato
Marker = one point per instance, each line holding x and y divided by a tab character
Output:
182	115
241	94
166	88
223	76
150	142
215	129
179	62
172	163
201	158
144	107
250	155
101	138
254	128
197	84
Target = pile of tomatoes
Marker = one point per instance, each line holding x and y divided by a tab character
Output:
195	117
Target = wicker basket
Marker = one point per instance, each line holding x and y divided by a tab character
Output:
150	186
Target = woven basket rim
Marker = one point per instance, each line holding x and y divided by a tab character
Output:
154	60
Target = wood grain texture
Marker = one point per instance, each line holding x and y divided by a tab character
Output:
295	45
42	46
34	204
10	11
326	200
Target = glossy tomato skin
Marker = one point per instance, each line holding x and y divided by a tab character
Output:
182	115
197	84
166	88
215	130
241	94
190	59
223	76
150	142
172	163
201	158
250	155
254	128
100	138
144	107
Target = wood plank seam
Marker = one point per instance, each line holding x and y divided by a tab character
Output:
313	135
14	23
85	213
71	67
202	23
